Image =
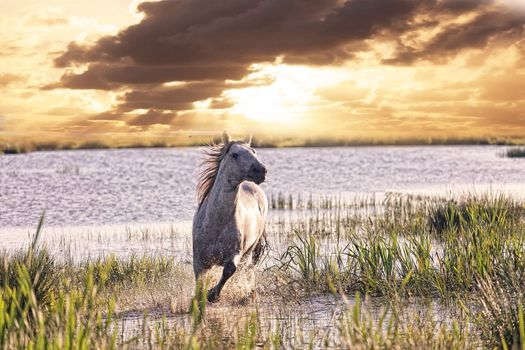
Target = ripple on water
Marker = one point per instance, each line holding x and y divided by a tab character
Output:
158	185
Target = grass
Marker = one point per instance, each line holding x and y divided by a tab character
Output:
71	321
515	152
467	254
475	212
435	251
37	311
26	147
501	318
360	330
8	146
470	250
47	304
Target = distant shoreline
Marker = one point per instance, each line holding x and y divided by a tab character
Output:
8	148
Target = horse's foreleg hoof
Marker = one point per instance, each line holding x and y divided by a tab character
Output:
213	296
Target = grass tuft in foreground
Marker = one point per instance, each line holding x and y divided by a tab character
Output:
39	311
360	330
501	318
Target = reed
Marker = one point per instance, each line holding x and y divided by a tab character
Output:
410	253
500	318
468	253
361	330
515	152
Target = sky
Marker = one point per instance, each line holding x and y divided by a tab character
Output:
356	69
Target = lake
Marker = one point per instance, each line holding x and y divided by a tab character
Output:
141	186
140	202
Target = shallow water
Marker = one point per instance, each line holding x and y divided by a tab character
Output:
143	186
312	318
141	201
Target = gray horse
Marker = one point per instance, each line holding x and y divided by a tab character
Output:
229	222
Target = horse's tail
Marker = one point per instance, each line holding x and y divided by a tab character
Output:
261	249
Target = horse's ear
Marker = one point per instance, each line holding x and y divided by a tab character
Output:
225	137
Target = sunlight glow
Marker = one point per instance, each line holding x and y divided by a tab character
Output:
516	4
268	103
287	98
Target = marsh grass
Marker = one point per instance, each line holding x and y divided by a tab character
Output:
110	271
8	146
501	318
515	152
37	312
45	304
469	249
13	149
361	330
467	253
39	265
431	250
483	211
71	320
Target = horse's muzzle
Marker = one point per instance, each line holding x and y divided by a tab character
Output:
257	174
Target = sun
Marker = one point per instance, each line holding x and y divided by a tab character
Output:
266	104
286	100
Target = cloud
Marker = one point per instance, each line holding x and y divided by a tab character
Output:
109	77
205	44
8	78
169	98
461	6
117	121
161	103
506	86
152	117
41	20
495	24
202	32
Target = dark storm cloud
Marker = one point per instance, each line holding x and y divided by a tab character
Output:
160	104
460	6
169	98
192	35
476	33
152	117
107	77
206	42
242	31
143	120
221	103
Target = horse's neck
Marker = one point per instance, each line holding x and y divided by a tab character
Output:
221	204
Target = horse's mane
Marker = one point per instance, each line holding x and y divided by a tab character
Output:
213	155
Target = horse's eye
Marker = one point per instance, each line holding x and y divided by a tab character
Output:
235	155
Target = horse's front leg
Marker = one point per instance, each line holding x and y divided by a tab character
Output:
229	269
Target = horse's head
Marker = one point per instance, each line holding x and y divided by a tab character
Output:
240	163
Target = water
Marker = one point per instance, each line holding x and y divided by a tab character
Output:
141	201
144	186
